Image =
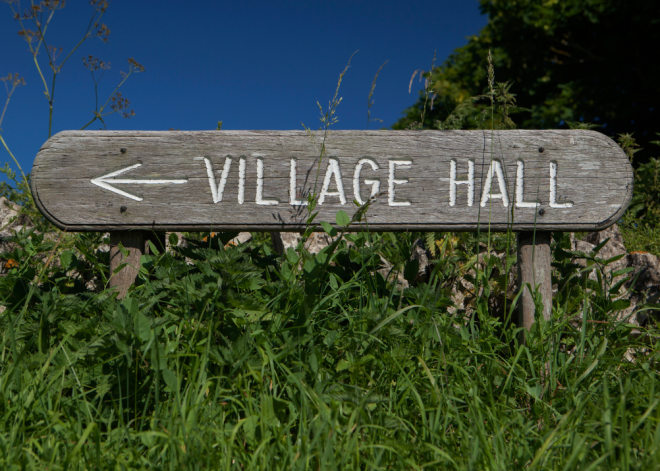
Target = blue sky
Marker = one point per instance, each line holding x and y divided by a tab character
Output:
251	64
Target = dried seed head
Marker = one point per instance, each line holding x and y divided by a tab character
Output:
491	73
103	32
14	79
121	105
29	35
35	10
118	102
54	53
94	63
99	5
53	4
135	66
32	12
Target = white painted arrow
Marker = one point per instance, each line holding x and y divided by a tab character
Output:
105	180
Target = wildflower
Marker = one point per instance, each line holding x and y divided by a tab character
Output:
11	263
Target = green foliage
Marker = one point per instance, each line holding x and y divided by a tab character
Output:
646	201
231	358
641	224
639	237
565	64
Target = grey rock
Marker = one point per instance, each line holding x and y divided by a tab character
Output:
241	238
317	242
104	247
392	276
314	244
421	254
583	247
285	240
8	214
647	270
613	247
643	285
10	218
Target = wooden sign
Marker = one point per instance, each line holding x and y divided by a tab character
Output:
260	180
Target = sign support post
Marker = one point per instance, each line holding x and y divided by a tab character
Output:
534	270
133	242
137	243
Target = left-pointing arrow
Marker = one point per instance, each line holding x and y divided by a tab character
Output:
105	180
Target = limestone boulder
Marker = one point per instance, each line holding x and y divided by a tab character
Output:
286	240
241	238
8	214
424	257
643	285
612	248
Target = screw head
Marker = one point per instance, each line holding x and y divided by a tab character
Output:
541	212
123	150
541	149
123	209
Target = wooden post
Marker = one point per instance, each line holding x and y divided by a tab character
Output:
534	268
278	244
133	241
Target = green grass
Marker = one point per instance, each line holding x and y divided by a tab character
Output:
235	359
639	237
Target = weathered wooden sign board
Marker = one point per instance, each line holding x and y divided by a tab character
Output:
129	183
259	180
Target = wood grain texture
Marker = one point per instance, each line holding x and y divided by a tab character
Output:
592	172
534	270
133	242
